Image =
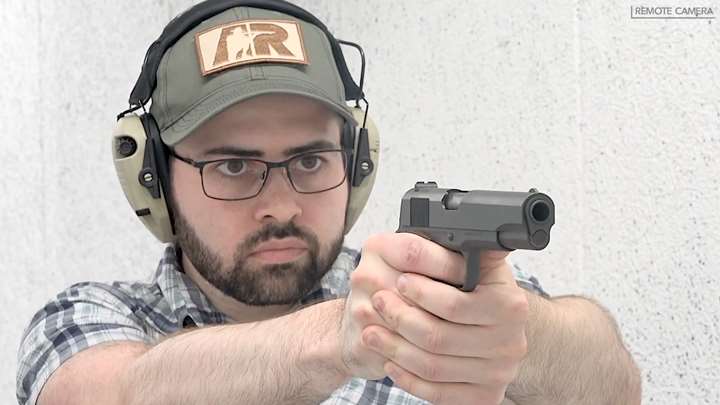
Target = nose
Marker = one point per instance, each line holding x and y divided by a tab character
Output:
277	200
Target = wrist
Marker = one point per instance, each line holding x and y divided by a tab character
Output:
544	331
321	353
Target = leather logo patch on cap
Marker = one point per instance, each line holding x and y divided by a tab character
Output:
249	41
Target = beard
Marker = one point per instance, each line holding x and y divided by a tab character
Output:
260	285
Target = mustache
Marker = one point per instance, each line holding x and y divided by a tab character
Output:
278	231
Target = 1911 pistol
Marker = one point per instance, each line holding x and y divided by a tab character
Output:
471	221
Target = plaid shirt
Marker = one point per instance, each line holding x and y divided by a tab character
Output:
88	314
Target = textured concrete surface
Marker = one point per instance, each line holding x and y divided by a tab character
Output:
617	119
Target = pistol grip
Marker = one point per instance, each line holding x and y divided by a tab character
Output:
472	272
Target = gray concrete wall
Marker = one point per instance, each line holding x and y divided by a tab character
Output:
618	119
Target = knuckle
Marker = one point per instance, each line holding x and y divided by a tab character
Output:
518	306
415	251
361	278
446	270
434	340
416	291
437	396
377	243
411	384
396	320
362	313
429	370
452	308
373	243
356	278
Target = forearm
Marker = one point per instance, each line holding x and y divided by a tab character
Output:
575	356
288	360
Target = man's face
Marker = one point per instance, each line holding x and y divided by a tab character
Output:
273	248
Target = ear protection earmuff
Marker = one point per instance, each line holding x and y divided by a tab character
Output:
141	157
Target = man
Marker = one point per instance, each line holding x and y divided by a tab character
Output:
257	301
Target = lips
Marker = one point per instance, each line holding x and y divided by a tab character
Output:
280	244
279	251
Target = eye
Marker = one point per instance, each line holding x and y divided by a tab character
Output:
233	167
310	163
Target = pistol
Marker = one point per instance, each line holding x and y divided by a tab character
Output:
468	222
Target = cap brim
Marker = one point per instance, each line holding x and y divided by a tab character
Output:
235	93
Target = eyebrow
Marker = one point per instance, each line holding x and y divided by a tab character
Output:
241	152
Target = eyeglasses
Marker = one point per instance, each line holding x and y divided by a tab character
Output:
243	178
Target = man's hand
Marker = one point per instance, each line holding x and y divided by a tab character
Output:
439	343
371	275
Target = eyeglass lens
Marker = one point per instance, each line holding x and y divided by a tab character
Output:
243	178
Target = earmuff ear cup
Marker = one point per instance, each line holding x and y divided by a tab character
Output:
359	194
129	141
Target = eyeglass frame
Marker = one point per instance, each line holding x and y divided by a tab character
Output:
200	165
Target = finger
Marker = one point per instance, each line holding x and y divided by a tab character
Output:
494	268
426	365
438	336
444	393
408	252
363	313
372	274
488	305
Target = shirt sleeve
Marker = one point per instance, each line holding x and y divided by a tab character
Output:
84	315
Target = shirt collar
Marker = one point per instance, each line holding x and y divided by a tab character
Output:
183	295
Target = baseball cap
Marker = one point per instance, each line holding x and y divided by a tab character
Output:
238	54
